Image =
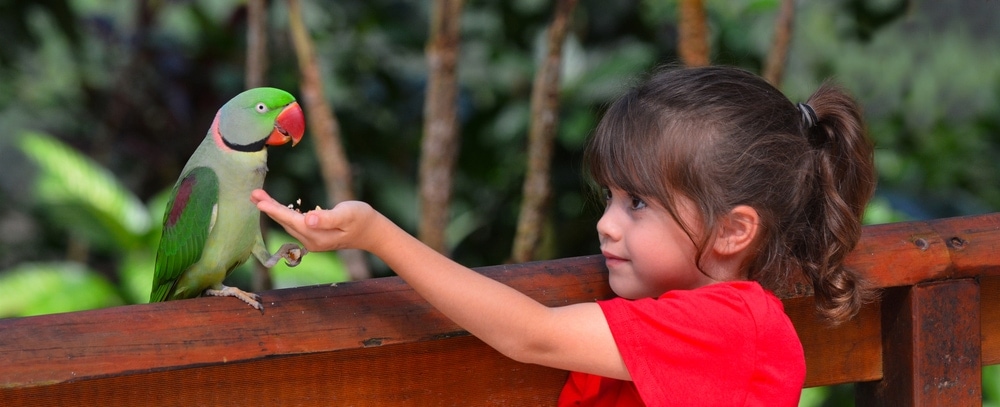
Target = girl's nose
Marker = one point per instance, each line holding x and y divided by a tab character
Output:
607	228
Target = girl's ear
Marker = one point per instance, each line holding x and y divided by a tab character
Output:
736	231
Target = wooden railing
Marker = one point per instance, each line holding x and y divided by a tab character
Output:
378	343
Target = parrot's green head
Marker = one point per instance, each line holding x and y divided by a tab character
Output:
260	117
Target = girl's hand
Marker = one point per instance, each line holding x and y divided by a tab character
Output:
349	225
573	337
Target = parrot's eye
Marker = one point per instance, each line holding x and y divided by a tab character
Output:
261	108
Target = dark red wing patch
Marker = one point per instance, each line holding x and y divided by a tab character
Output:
181	200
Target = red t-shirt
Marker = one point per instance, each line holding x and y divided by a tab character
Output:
724	344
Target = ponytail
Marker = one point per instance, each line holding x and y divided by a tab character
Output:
845	181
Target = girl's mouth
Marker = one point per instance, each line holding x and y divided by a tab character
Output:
612	260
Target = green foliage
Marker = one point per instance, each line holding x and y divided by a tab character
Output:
880	211
991	386
104	103
930	87
35	289
82	197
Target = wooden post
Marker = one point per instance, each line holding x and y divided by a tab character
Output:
931	353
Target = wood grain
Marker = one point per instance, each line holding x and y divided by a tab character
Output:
207	331
376	342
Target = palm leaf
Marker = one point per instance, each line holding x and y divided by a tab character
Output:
46	288
80	195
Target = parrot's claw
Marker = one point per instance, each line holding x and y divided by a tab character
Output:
291	252
250	298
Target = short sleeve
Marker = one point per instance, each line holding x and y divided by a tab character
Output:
706	346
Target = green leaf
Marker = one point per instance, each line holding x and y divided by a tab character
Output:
85	198
880	211
135	272
611	72
315	268
991	385
814	396
136	275
46	288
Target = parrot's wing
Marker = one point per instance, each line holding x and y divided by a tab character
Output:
189	217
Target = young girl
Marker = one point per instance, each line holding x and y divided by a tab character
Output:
717	189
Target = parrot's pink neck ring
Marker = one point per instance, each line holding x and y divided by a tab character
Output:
225	145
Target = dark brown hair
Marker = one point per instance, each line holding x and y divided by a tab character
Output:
723	137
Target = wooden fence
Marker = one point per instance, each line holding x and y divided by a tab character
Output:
376	342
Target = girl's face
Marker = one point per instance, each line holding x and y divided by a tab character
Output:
647	252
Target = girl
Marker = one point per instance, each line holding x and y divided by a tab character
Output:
717	189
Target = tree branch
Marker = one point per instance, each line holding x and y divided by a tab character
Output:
256	69
439	148
693	46
325	131
544	124
774	69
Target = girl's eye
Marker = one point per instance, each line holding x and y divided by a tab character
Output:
261	108
637	203
606	194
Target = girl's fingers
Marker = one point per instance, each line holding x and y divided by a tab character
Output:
280	213
312	219
259	195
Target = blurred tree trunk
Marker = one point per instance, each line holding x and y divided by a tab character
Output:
774	69
256	69
692	33
537	189
440	144
325	131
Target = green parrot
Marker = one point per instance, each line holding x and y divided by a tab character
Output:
210	226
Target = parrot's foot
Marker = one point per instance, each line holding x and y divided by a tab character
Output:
291	252
250	298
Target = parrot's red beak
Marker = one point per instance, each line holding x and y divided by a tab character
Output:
289	126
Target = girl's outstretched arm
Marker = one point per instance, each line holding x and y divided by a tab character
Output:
574	337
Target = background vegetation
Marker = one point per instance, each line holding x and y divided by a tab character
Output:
103	103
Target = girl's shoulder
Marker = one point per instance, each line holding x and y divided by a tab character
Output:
741	296
764	309
743	311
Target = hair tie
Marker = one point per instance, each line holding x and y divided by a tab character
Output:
808	115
